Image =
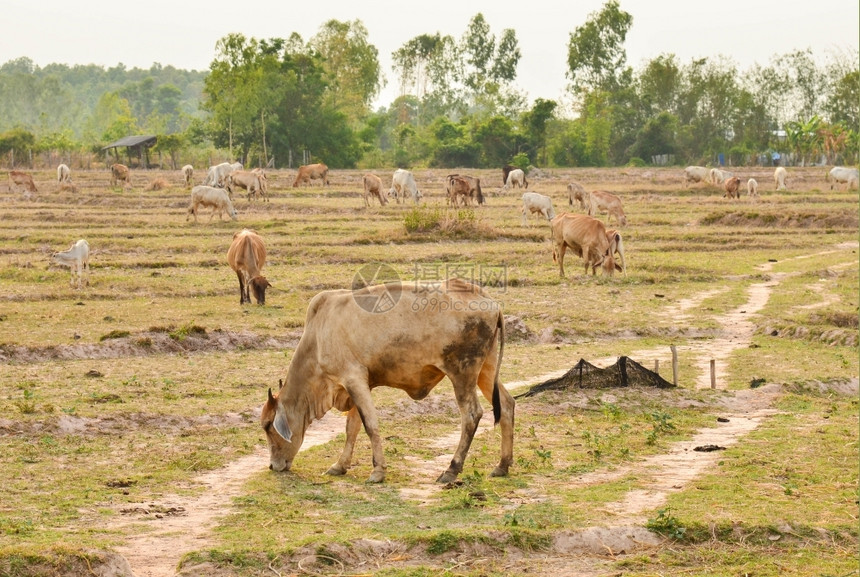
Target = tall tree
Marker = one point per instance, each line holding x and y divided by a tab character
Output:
595	53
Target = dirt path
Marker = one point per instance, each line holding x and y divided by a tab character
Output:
185	524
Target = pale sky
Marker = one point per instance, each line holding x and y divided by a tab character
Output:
183	33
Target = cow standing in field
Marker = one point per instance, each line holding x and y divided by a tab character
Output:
843	175
373	186
599	202
403	182
246	256
719	176
310	172
217	174
385	336
250	181
693	174
752	187
264	180
466	188
209	196
587	237
732	186
575	192
120	173
23	179
534	203
516	179
64	174
188	175
77	258
779	176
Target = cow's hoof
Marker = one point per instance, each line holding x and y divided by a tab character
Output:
336	470
447	477
499	472
376	477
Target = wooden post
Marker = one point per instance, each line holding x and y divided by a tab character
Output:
657	366
713	374
674	365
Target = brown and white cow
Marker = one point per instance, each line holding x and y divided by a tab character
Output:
586	236
463	188
392	335
246	256
373	186
24	179
248	180
310	172
600	201
120	173
516	179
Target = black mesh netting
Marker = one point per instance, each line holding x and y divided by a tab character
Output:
624	373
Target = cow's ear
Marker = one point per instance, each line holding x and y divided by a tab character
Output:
280	423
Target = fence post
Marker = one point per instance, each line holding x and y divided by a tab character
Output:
713	374
674	365
657	366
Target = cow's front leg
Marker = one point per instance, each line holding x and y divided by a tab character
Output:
353	425
470	417
359	392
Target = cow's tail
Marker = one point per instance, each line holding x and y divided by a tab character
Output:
497	404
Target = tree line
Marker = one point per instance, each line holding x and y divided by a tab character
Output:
281	101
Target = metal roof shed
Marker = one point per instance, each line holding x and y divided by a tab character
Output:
140	145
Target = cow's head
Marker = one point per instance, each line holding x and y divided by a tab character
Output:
283	445
259	285
608	263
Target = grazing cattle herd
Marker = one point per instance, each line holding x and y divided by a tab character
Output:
347	349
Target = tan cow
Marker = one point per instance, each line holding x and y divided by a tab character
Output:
209	196
246	256
599	201
188	174
577	193
392	335
248	180
463	188
616	244
310	172
120	172
586	236
24	179
732	186
373	186
264	180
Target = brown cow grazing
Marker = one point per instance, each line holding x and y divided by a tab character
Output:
463	187
310	172
732	186
386	335
120	172
586	236
248	180
373	186
24	179
616	244
600	201
247	255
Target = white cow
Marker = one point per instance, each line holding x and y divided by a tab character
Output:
536	203
695	174
209	196
64	174
779	176
402	182
77	258
516	179
752	187
188	173
216	175
842	174
719	176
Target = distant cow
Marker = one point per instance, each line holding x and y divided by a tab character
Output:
536	203
732	186
246	256
24	179
587	237
216	175
403	183
752	187
310	172
77	258
461	186
209	196
250	181
506	170
719	176
695	174
599	201
373	186
844	175
779	176
64	174
120	173
264	180
575	192
516	179
616	245
188	174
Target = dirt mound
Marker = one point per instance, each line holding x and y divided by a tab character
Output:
148	343
783	220
101	563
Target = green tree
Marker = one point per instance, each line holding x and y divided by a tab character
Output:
656	137
595	52
17	143
534	128
598	127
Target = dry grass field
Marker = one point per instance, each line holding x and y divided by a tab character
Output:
129	408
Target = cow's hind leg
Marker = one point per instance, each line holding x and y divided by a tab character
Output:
470	416
353	426
506	419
